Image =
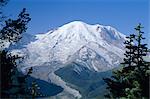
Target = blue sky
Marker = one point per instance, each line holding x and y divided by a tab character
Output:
124	15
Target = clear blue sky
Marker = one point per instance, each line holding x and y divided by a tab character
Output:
124	15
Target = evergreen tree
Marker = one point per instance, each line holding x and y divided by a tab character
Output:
132	79
12	84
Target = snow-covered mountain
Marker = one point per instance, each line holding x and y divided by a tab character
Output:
96	48
77	39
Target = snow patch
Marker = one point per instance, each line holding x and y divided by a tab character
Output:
58	81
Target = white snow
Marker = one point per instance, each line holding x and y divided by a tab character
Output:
58	81
68	39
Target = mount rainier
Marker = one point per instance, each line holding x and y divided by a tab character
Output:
75	56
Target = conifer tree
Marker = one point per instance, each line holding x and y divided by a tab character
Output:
143	67
132	79
12	83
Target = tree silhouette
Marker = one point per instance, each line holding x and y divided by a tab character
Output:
12	83
132	79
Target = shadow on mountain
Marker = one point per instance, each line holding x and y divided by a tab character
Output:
46	89
89	83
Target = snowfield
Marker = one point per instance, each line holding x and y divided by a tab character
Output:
63	43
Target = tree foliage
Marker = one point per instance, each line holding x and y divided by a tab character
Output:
131	81
13	84
13	29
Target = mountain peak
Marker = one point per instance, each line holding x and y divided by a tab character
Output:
76	23
65	41
94	29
